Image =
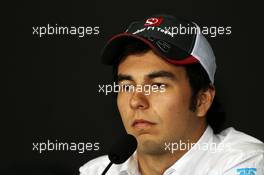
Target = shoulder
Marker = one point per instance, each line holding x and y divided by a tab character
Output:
238	142
94	166
241	152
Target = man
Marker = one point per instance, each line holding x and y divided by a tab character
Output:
171	124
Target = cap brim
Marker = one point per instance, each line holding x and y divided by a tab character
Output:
111	52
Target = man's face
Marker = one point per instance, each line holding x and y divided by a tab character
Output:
159	117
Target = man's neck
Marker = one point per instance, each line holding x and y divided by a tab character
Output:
158	164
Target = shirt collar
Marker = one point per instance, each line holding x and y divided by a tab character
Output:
130	166
194	152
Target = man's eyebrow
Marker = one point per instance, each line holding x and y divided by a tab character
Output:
121	77
162	73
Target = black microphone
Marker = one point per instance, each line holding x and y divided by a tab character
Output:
121	150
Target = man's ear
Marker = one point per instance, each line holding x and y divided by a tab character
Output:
204	101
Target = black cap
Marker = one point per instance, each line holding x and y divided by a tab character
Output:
176	40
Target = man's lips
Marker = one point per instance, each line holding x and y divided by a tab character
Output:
142	124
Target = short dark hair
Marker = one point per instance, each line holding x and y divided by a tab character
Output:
198	79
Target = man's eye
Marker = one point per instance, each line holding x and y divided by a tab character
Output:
127	87
159	85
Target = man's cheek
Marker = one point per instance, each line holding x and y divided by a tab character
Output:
126	122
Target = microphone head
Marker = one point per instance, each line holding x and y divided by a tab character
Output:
122	149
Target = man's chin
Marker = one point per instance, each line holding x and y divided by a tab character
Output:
148	145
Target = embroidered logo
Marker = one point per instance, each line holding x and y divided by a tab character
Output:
246	171
153	22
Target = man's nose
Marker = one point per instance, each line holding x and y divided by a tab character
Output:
139	101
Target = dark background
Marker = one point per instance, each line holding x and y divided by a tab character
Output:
53	80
